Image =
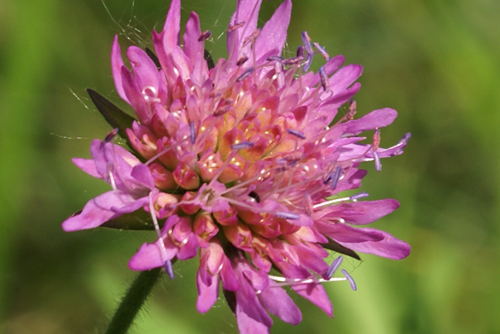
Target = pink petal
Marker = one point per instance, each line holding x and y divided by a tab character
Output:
278	302
376	119
273	34
116	66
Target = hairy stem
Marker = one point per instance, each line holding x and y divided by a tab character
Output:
133	301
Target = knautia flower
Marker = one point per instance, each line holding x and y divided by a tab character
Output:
242	162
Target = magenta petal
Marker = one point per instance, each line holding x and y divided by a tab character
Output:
248	325
145	70
172	25
149	256
116	66
273	34
207	293
98	211
376	119
88	166
366	212
388	247
344	77
316	294
278	302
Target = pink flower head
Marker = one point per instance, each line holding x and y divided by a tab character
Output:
244	162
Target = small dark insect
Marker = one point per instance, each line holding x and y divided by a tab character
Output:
254	195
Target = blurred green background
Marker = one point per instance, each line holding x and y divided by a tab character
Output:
436	62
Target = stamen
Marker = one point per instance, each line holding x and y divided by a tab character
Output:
352	110
350	279
292	61
192	131
354	198
109	137
275	58
306	40
296	133
163	251
255	196
287	215
109	171
252	38
283	281
233	27
324	79
322	50
378	164
405	139
308	205
150	94
245	74
169	269
333	201
242	60
376	139
300	51
334	266
335	177
204	35
242	145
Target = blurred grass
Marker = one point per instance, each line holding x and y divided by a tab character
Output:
436	62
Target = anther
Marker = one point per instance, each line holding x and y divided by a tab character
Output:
109	137
292	61
252	38
405	139
242	60
275	58
245	74
233	27
378	164
354	198
324	79
350	279
352	110
169	269
287	215
192	131
204	35
306	40
242	145
322	51
300	51
376	139
255	196
334	266
296	133
335	177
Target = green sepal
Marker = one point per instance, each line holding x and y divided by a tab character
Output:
136	221
116	117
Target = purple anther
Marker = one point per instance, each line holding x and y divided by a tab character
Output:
242	145
352	110
334	266
293	61
324	79
169	269
350	279
245	74
358	196
205	35
405	139
233	27
242	60
335	177
322	51
306	40
296	133
300	51
287	215
275	58
109	137
192	131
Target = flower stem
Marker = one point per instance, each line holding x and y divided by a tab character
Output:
133	301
